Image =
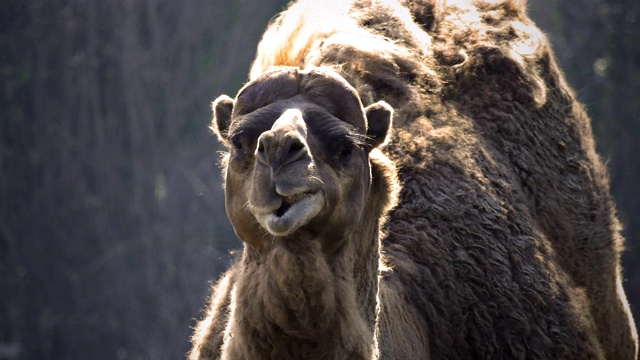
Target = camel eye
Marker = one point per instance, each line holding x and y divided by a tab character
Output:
237	144
345	151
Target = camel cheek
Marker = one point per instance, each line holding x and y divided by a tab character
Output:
358	185
350	204
243	222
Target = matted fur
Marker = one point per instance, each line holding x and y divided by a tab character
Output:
504	242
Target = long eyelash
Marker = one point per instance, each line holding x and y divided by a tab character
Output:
235	133
358	139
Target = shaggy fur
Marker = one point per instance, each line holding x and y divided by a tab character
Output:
313	287
504	242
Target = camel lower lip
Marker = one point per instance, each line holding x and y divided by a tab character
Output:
299	210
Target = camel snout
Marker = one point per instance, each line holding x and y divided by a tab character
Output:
285	143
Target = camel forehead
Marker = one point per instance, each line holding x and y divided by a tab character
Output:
322	87
296	113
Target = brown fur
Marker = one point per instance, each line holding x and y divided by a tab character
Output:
315	288
504	243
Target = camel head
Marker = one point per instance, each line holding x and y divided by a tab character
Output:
298	164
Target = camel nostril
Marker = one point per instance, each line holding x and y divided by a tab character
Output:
262	151
279	149
296	146
295	152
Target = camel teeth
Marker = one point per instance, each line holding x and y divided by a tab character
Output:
293	198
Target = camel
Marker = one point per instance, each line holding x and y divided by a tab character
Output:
412	180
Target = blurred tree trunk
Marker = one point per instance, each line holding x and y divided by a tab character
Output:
111	213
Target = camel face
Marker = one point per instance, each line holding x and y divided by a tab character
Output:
298	162
286	191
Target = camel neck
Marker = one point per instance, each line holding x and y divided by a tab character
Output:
293	303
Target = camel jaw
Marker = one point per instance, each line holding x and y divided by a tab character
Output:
293	212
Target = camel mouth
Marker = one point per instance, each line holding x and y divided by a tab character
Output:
288	201
295	211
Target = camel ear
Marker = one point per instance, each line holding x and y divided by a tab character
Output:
222	108
379	117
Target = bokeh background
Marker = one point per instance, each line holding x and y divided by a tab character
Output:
112	222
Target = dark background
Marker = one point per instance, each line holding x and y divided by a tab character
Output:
112	220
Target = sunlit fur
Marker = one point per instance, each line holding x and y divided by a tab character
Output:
313	286
504	243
